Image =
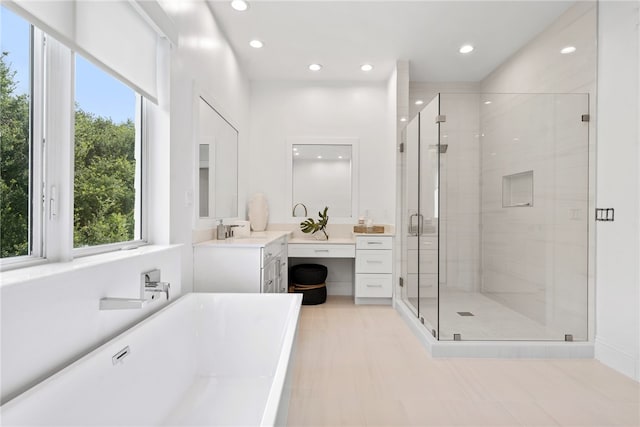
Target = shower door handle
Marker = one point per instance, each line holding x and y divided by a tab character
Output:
420	224
411	227
415	229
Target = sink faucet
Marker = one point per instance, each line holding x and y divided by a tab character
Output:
293	212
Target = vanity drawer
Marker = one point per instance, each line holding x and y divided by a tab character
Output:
321	250
373	285
272	250
374	262
372	242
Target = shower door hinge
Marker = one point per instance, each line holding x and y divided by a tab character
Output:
401	147
422	320
400	281
433	332
441	118
457	337
568	337
585	118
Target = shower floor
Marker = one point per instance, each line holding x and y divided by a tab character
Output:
491	320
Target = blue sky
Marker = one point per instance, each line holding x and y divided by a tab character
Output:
96	91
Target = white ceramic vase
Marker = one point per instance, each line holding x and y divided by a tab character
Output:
258	212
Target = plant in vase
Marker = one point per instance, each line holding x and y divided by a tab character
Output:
311	226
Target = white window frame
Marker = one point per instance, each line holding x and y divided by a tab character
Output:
141	186
36	157
52	118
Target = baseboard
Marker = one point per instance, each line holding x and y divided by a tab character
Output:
617	359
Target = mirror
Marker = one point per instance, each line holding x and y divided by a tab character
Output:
323	174
217	164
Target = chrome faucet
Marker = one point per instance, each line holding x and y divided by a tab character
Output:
150	290
293	212
154	286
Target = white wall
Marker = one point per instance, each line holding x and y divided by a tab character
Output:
205	60
618	187
50	314
282	110
50	319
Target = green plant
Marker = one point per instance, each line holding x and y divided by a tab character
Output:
311	226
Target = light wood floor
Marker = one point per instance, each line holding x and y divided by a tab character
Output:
361	366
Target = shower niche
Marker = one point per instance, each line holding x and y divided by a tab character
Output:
517	190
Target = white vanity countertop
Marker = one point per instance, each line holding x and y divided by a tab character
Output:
385	234
256	239
331	241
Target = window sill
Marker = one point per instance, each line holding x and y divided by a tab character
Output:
25	274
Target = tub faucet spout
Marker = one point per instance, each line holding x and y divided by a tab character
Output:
158	287
154	286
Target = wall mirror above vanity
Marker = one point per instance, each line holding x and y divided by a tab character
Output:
323	172
217	164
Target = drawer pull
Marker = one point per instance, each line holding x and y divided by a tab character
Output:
374	286
321	250
374	261
374	243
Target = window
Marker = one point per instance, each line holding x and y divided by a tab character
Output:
17	216
38	139
107	154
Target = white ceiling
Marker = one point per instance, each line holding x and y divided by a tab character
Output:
342	35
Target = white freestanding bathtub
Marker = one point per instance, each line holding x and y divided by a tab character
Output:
207	359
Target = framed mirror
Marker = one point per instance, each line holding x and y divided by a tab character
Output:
217	164
323	172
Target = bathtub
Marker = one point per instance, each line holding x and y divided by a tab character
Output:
206	359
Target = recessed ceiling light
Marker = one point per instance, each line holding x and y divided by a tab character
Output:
467	48
568	49
319	157
487	102
296	154
240	5
295	149
256	44
419	102
403	119
366	67
315	67
339	157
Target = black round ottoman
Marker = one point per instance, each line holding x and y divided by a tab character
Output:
310	281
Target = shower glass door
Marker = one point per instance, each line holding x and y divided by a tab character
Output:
420	216
514	217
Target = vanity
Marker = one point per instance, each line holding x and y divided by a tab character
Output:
257	264
260	263
322	172
372	255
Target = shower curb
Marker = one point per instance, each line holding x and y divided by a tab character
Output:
494	349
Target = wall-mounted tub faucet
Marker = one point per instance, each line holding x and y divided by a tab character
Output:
293	211
150	290
154	286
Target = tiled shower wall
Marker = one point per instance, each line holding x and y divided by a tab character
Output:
545	275
534	258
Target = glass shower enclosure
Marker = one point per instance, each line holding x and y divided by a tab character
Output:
495	228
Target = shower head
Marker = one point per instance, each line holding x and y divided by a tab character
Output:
443	147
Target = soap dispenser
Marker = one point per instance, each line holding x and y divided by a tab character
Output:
221	231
